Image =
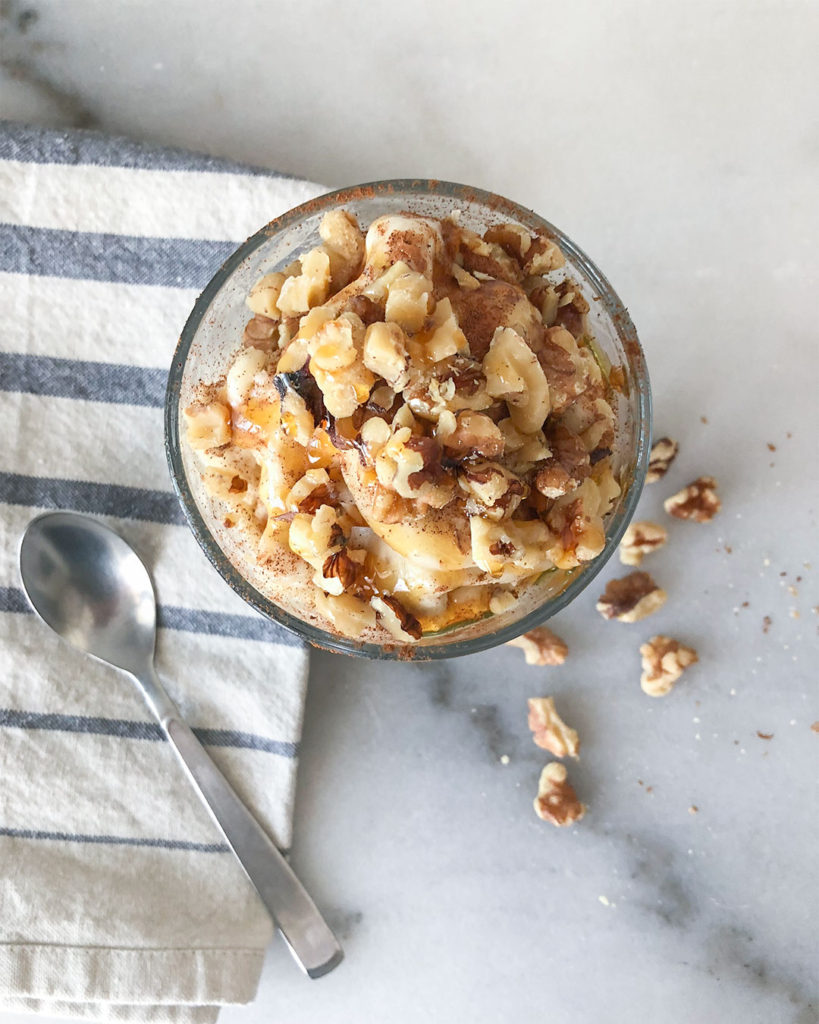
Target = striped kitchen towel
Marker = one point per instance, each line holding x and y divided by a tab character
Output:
118	899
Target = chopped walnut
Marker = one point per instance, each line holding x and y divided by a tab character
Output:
556	800
639	540
549	730
261	332
208	425
512	238
698	501
541	647
494	491
340	566
663	453
395	617
567	467
664	661
431	471
631	598
471	433
543	256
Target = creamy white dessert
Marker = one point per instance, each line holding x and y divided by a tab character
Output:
414	429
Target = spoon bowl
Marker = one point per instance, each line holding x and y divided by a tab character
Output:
91	588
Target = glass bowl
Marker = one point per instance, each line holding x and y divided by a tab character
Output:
213	333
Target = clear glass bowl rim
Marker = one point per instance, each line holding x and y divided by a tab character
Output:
409	187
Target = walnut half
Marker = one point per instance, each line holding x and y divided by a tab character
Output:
631	598
698	501
639	540
556	800
664	661
541	646
549	730
663	453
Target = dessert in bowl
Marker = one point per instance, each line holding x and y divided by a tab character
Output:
409	419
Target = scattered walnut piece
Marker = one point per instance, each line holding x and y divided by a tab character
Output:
549	730
664	660
815	727
556	800
765	735
541	646
697	502
631	598
663	453
639	540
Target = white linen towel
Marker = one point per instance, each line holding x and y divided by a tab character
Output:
118	898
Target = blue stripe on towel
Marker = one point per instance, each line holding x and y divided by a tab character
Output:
79	837
91	256
88	496
31	145
11	718
75	378
189	620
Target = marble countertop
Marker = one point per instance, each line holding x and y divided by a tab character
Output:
675	143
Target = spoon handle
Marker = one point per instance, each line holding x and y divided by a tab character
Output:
306	933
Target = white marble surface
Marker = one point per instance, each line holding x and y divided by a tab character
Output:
676	142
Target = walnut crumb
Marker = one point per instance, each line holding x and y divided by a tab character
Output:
549	730
541	646
697	502
631	598
765	735
639	540
556	800
664	661
815	727
663	453
693	809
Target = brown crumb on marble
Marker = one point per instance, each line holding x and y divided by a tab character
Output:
815	727
765	735
693	809
771	447
704	419
767	622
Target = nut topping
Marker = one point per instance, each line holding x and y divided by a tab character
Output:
631	598
540	646
340	566
663	453
549	730
396	617
568	466
261	332
639	540
473	433
556	800
664	661
697	502
432	472
414	431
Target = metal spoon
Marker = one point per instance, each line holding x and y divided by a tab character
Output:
85	582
